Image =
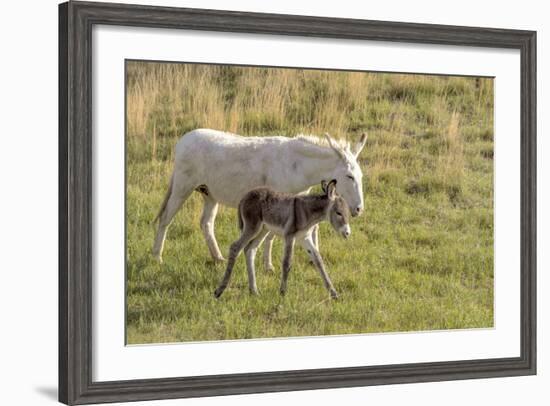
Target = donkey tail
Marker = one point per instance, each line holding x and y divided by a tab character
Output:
165	201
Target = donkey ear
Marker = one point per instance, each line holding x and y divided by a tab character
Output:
360	145
324	185
335	147
331	189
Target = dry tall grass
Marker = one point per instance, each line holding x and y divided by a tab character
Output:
166	100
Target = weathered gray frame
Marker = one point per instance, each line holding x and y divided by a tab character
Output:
75	202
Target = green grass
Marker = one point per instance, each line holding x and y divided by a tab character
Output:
419	258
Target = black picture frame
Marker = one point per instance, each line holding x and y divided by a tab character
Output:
76	20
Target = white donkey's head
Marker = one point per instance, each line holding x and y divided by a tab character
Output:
348	174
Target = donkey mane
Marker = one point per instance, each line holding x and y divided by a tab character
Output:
321	141
310	139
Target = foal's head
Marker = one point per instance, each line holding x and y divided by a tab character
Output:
338	213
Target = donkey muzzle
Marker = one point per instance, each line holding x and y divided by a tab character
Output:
345	230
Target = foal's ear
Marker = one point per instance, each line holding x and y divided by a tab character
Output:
331	189
324	185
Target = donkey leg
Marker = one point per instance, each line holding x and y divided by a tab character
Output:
250	253
268	245
173	204
208	218
287	259
248	233
307	243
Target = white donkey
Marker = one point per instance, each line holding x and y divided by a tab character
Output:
224	167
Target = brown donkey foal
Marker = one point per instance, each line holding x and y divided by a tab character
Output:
291	216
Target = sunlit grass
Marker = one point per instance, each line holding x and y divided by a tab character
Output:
420	257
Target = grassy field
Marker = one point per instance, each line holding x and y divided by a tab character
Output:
421	255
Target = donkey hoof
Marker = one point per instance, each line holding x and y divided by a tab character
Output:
270	268
218	259
217	293
254	292
333	295
282	292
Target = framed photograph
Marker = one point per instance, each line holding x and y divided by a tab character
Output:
258	202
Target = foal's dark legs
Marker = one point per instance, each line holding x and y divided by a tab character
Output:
287	260
248	233
317	260
250	254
